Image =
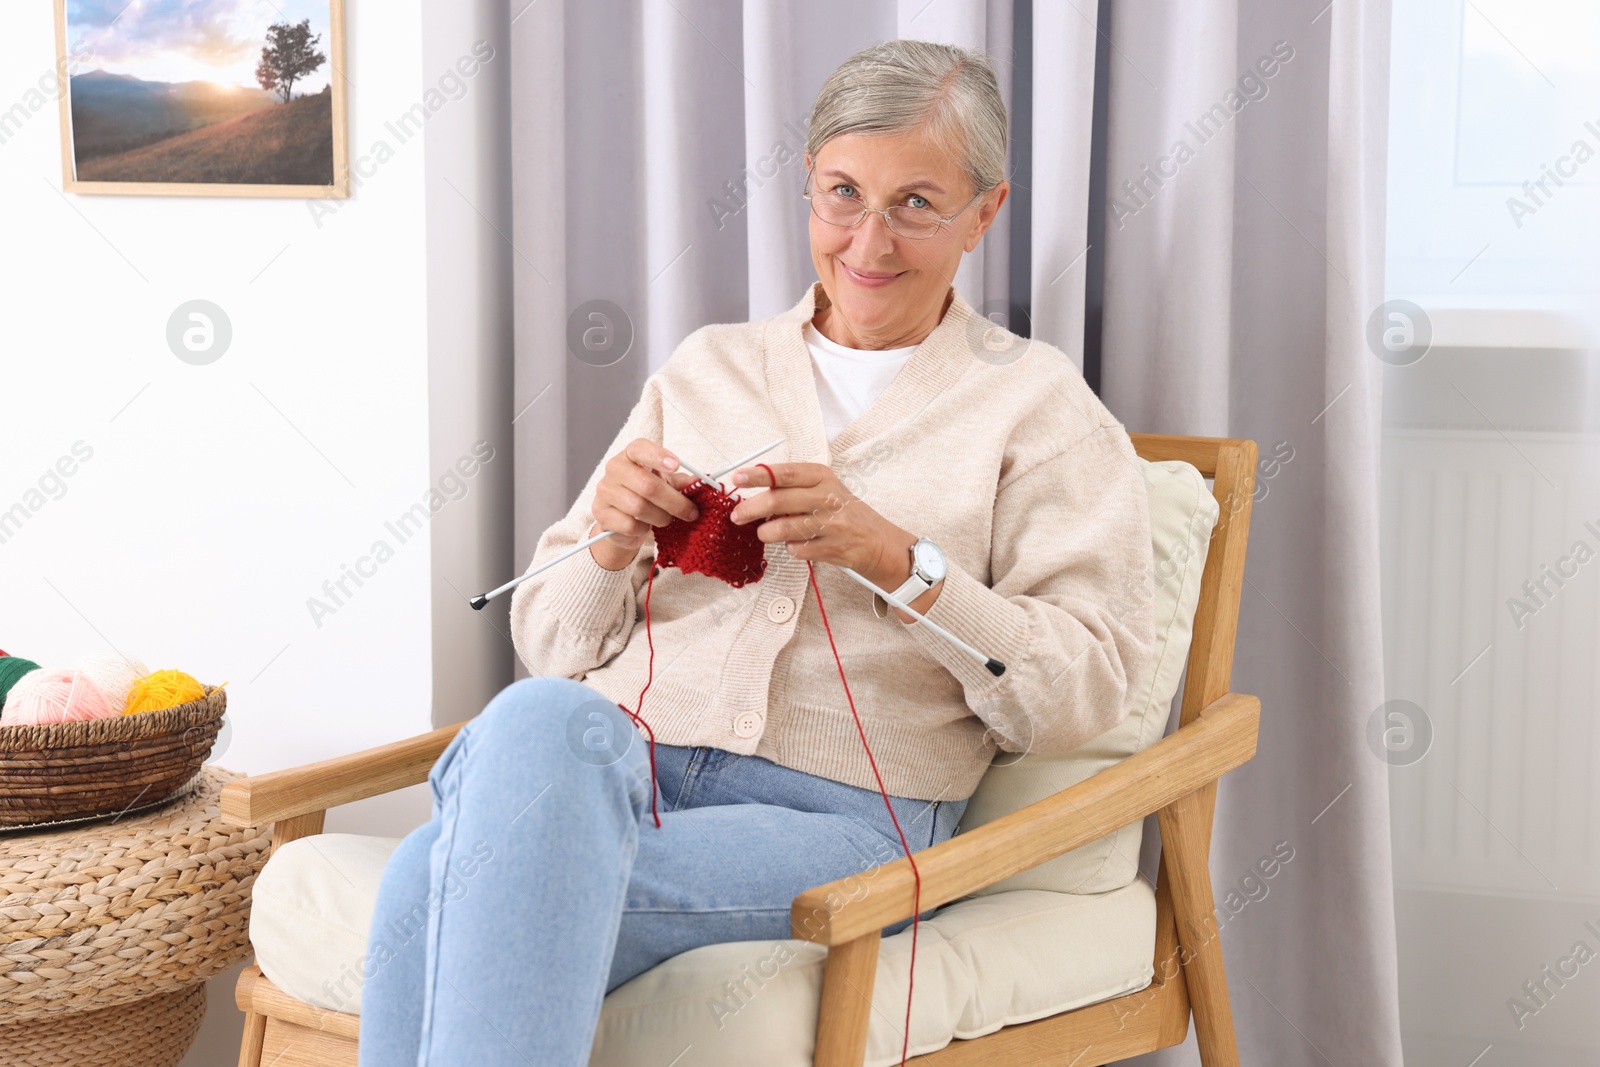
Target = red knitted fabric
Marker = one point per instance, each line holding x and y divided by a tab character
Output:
715	546
712	544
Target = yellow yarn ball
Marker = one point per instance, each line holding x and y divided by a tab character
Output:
162	689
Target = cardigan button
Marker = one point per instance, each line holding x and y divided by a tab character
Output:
780	609
747	724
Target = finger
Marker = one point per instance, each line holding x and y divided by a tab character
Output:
766	505
633	504
815	550
777	502
788	474
684	479
652	488
619	522
789	528
650	455
681	480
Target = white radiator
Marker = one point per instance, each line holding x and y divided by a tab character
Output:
1491	616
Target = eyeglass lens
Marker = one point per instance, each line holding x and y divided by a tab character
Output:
843	210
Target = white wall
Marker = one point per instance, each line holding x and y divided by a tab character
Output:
218	499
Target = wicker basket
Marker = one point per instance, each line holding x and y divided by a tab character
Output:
99	767
154	1032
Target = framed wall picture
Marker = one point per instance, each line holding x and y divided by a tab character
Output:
203	98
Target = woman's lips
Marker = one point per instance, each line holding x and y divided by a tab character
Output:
869	281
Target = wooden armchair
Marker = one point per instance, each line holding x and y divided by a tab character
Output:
1176	778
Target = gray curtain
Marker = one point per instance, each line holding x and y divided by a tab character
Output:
1236	296
656	153
657	167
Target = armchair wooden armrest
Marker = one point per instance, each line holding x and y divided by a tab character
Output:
1169	777
296	798
1221	738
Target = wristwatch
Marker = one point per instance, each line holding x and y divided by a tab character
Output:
927	570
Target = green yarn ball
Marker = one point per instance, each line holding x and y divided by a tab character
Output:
12	668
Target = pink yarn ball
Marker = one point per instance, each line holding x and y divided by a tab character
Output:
59	694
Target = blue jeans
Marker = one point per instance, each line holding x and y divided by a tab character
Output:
541	882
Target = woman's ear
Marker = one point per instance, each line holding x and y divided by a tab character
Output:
988	208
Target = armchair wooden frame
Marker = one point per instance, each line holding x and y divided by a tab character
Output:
1176	778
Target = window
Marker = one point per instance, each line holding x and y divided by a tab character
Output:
1494	158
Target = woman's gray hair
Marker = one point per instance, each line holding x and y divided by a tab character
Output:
897	86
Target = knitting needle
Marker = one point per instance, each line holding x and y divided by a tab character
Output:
716	476
704	477
994	666
480	600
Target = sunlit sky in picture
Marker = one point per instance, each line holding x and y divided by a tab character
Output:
189	40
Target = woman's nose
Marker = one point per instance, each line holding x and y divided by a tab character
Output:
873	238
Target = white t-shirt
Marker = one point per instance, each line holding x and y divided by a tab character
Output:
850	379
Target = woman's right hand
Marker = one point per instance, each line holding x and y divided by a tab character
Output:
638	492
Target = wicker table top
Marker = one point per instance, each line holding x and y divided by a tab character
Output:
118	910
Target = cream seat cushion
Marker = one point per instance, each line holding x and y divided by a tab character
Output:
982	963
1074	931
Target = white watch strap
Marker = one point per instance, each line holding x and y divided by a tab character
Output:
911	588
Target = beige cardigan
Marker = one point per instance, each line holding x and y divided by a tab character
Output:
1015	469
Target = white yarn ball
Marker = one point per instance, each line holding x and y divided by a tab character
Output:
114	674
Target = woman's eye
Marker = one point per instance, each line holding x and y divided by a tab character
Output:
924	205
850	190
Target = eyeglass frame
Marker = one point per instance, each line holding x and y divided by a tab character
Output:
884	211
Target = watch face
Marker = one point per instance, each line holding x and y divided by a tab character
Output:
930	561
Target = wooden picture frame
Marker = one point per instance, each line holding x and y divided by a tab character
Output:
338	188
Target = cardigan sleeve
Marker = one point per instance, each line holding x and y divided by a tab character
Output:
577	615
1069	609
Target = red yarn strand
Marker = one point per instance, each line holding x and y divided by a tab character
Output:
735	555
916	876
649	678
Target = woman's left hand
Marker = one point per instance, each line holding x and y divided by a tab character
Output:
822	521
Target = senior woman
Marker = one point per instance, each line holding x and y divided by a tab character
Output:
983	483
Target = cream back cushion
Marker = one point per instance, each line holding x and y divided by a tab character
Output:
1183	513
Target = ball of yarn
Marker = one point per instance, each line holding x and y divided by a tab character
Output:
114	673
12	668
58	694
162	689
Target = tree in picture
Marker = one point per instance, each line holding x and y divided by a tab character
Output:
204	98
290	55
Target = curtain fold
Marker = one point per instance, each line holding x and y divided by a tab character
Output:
540	274
1061	72
1244	252
657	172
1169	215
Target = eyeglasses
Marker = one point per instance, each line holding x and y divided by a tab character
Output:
917	223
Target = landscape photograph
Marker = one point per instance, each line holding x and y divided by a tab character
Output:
242	95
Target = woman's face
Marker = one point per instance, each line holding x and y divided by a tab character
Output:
882	169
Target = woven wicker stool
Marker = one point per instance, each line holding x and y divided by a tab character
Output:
109	930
